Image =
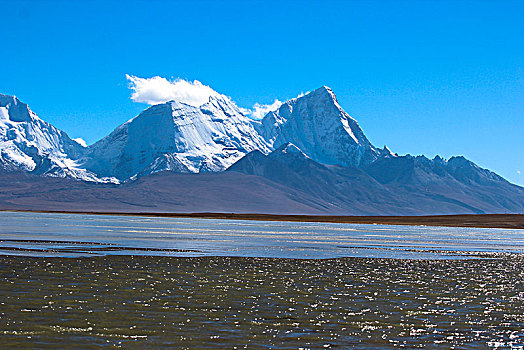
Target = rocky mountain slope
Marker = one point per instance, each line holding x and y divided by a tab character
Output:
177	137
182	138
186	139
318	126
307	157
391	185
30	144
161	192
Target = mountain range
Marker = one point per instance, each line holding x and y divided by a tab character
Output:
307	157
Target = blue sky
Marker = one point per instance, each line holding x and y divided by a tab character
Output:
422	77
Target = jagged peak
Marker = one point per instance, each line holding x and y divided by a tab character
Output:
7	99
439	160
322	93
324	90
17	111
461	161
459	158
218	102
164	108
222	102
386	152
172	104
220	98
167	106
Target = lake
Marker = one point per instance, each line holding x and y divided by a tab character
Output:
83	281
71	235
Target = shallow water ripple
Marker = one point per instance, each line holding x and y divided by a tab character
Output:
73	235
220	302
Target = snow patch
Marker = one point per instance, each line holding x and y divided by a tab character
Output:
4	113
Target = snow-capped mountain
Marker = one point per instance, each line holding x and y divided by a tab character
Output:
319	127
310	155
186	139
182	138
33	145
178	137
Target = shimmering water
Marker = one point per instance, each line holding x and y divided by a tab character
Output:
68	235
79	281
219	302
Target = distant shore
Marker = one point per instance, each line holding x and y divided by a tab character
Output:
508	221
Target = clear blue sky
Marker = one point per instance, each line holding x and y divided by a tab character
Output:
422	77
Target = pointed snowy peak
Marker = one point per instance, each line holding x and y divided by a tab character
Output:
318	125
6	100
178	137
14	110
30	144
323	92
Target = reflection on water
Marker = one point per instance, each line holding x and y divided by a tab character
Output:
66	235
220	302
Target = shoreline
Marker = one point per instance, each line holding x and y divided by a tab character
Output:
506	221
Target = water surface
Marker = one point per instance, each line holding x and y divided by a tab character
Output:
85	281
221	303
72	235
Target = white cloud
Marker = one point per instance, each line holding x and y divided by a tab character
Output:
157	90
80	141
259	111
518	172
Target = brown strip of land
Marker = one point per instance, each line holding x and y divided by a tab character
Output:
509	221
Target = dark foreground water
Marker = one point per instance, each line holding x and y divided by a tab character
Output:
220	302
80	281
